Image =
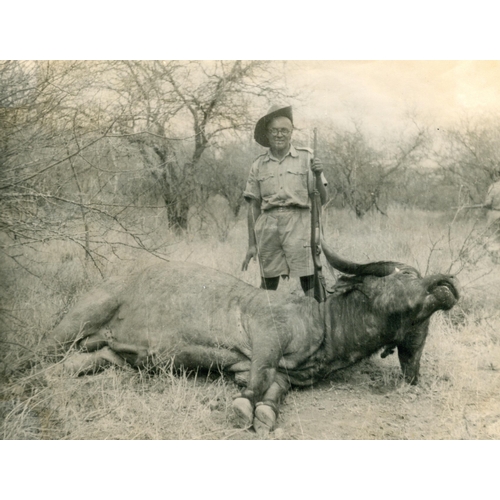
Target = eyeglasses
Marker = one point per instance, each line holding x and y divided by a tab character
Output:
276	131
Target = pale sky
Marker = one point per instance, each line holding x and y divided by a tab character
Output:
379	93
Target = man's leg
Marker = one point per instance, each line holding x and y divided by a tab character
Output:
307	283
297	247
270	283
270	252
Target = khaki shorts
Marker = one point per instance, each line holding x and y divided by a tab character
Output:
283	242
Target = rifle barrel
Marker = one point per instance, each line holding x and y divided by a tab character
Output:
479	205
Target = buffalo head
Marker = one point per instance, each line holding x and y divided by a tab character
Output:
387	303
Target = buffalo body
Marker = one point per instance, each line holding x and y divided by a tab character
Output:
198	317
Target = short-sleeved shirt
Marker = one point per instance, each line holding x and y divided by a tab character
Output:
282	183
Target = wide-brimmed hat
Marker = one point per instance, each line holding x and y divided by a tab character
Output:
260	133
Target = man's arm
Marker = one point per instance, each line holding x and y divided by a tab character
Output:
253	214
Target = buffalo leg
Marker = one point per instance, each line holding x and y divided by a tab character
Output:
81	362
85	319
266	411
260	380
262	375
243	409
410	352
410	364
93	343
243	406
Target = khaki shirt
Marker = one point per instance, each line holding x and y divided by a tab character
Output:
282	183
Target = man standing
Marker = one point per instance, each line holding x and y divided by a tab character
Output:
278	191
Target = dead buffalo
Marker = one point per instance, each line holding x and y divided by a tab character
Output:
202	318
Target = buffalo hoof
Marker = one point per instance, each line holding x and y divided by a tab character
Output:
244	412
264	420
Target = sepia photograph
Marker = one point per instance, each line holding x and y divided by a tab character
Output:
249	250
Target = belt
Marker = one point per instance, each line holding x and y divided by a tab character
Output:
285	209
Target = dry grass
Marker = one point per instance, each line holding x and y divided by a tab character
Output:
457	397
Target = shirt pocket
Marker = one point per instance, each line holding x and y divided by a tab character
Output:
296	181
267	184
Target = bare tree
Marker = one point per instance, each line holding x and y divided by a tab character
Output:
55	158
362	174
86	147
470	157
180	109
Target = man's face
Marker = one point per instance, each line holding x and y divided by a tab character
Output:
279	133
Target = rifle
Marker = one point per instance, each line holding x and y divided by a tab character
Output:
479	205
319	280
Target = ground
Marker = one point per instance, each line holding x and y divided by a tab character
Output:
367	401
457	396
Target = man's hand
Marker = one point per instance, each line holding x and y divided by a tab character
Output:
251	254
317	166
